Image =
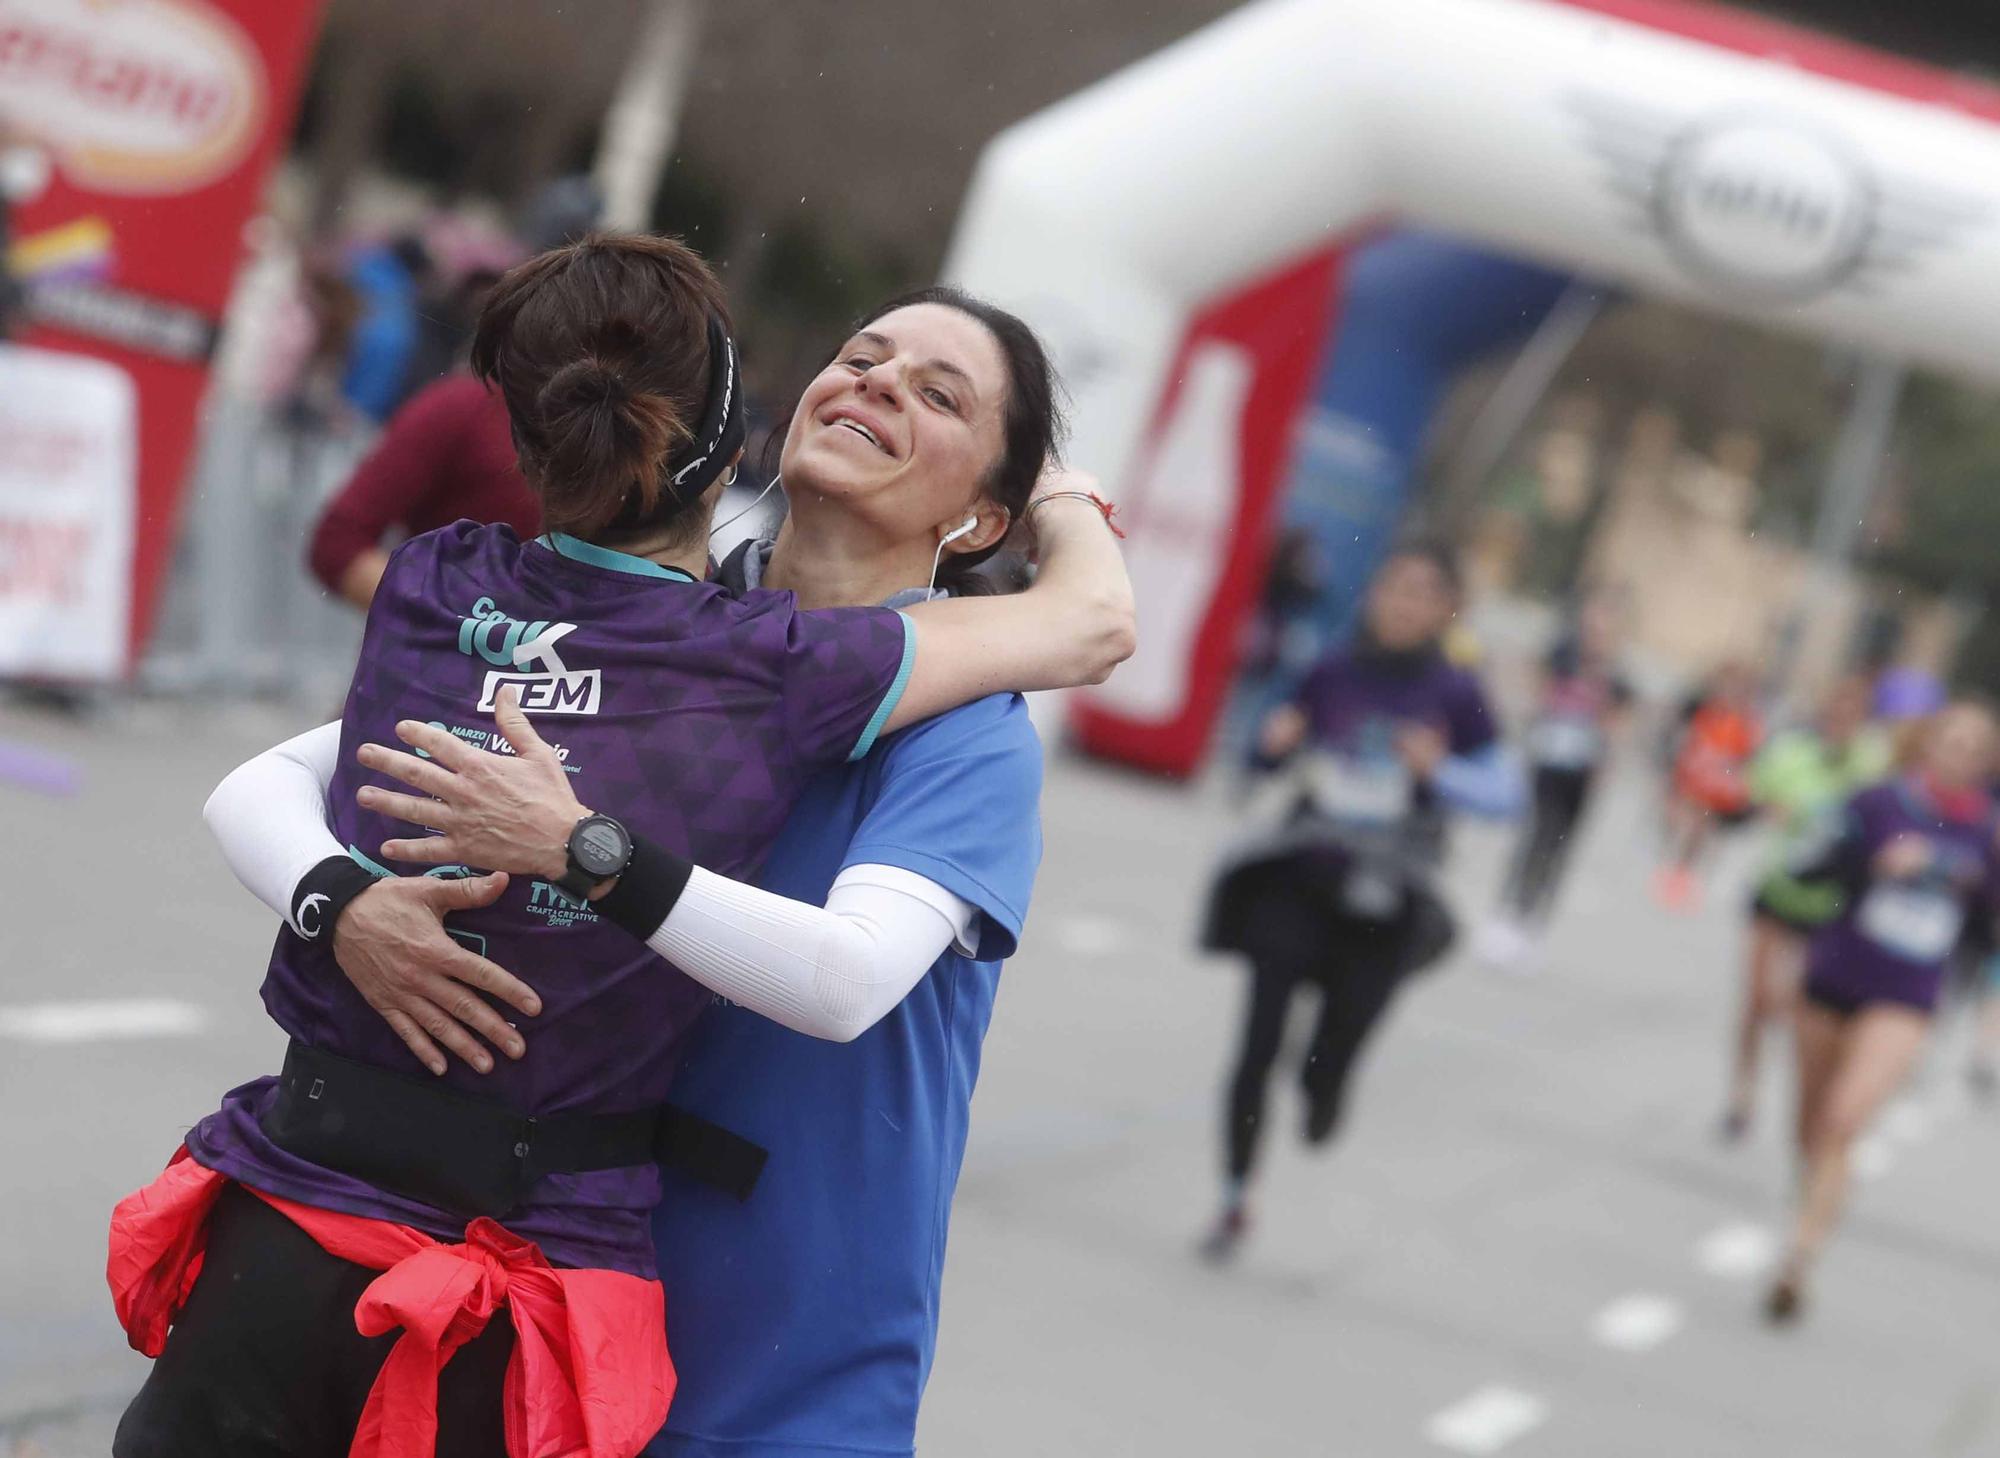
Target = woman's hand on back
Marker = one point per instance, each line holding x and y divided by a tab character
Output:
499	812
391	943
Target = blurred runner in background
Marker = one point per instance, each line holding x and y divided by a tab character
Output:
1918	863
1581	704
1384	737
390	278
448	452
1707	784
1802	779
447	456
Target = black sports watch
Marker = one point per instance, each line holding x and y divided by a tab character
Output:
599	848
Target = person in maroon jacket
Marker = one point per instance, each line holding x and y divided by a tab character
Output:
447	455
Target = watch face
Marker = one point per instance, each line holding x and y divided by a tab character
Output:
600	847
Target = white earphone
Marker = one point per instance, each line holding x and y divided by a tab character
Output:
971	524
730	480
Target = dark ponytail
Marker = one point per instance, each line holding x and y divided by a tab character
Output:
601	349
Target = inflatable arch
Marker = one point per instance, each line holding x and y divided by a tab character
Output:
1180	233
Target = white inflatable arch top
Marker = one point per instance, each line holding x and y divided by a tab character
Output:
1675	148
1549	130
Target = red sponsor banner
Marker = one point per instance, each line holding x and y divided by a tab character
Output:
157	123
1200	510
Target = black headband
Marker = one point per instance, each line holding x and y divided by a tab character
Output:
694	467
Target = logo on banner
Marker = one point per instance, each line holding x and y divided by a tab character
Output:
137	97
1767	204
531	665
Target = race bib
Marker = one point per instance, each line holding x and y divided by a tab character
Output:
1359	791
1565	741
1916	923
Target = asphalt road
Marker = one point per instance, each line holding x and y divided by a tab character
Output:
1528	1242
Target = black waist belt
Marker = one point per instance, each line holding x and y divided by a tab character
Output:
474	1156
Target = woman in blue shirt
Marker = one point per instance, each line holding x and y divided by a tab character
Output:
917	861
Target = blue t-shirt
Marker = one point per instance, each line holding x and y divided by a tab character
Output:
803	1321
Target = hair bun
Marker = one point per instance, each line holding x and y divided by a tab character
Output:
598	429
599	349
586	384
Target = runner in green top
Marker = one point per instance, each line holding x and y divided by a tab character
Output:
1800	779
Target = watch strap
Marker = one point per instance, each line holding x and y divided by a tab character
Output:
647	890
575	883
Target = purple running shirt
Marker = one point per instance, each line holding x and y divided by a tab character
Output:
1893	939
697	714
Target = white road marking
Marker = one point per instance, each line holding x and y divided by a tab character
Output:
1486	1421
1090	936
1738	1251
1873	1157
89	1022
1637	1323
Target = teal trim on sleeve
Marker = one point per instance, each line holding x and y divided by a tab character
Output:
578	550
893	697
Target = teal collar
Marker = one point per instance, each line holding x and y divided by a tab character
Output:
578	550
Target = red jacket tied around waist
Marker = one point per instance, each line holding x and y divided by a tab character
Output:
589	1377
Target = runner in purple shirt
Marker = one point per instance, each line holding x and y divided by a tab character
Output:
699	714
1379	742
1920	868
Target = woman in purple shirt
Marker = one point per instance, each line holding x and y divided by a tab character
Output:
699	713
1382	738
1920	868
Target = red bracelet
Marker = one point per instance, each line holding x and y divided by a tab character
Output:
1103	506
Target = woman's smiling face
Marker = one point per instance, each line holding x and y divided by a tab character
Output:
905	423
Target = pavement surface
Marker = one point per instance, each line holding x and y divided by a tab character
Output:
1528	1242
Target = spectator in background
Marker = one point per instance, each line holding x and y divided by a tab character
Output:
24	173
10	289
447	455
468	255
444	324
390	278
312	395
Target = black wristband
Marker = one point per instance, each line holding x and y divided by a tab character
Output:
647	891
323	893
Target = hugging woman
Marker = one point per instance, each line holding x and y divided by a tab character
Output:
507	1212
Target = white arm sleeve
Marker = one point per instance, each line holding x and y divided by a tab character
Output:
269	816
829	972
